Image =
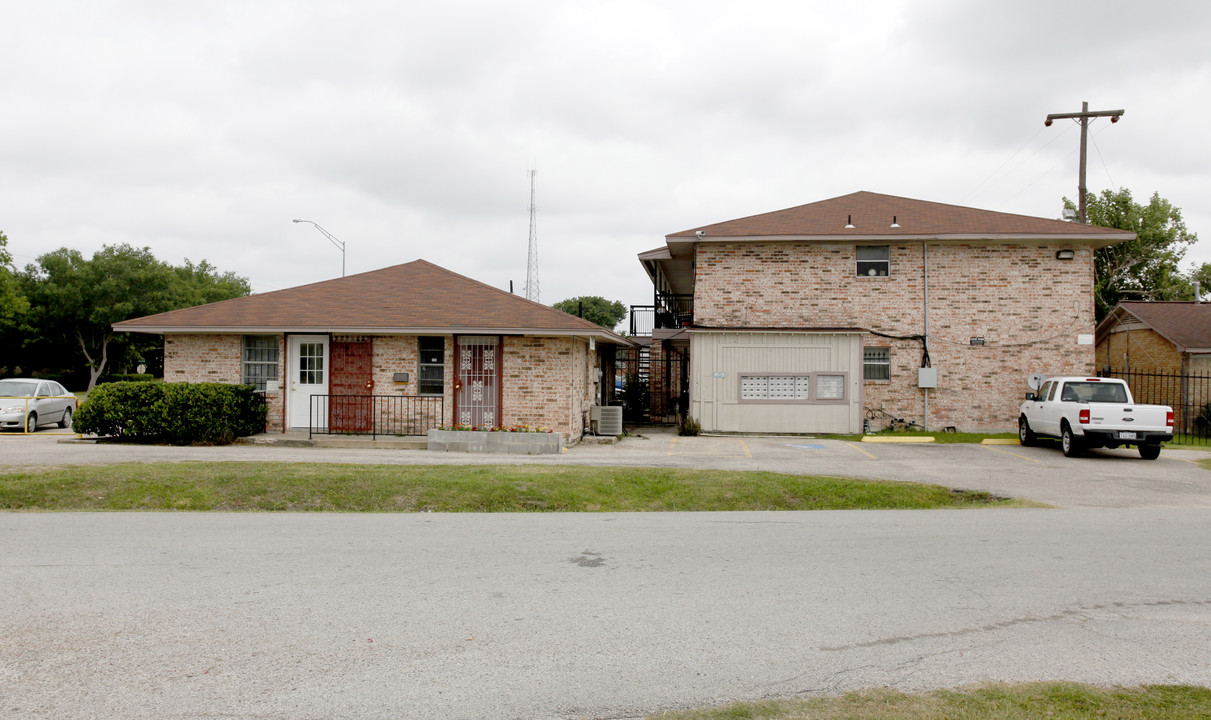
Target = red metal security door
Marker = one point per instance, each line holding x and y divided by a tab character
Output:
477	390
349	408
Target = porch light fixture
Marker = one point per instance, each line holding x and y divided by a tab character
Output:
849	222
894	224
339	245
1064	254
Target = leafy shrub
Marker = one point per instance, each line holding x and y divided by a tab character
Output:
131	377
688	426
175	413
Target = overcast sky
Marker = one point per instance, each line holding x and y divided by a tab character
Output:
406	129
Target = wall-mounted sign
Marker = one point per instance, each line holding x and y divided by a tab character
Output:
977	341
720	374
1084	339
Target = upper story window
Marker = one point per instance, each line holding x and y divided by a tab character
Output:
260	362
874	260
432	366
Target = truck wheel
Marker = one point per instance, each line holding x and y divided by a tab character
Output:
1026	436
1150	452
1069	442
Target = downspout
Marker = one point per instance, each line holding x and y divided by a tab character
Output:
925	336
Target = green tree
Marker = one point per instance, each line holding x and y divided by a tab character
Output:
75	302
594	309
202	283
1201	274
1145	268
12	301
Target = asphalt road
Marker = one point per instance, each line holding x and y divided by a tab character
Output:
198	616
149	615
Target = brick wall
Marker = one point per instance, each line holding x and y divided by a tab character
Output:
548	382
1028	307
1138	348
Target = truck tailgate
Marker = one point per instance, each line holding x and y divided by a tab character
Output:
1152	418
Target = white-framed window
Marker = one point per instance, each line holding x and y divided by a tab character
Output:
260	361
876	363
431	375
819	387
873	260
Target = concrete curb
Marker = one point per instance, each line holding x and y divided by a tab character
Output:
894	439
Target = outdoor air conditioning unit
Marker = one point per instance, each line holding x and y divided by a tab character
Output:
605	419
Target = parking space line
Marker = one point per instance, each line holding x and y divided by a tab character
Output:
855	447
1006	452
744	446
672	445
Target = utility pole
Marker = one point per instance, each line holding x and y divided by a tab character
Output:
1083	118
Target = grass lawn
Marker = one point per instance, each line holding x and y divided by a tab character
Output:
454	488
1054	701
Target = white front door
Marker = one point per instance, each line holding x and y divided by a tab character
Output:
308	375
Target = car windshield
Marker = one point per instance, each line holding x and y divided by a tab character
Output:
1098	392
17	388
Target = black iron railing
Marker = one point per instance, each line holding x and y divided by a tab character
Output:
1189	395
374	415
670	311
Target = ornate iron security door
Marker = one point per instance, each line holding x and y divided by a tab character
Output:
352	385
477	389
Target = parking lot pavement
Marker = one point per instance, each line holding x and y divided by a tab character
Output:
1101	479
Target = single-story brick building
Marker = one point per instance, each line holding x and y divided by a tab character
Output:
434	347
1162	337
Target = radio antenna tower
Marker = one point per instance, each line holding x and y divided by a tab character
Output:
532	256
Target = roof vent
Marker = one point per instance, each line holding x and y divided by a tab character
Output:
849	222
894	224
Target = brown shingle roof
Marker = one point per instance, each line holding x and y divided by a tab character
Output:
1185	324
872	215
414	296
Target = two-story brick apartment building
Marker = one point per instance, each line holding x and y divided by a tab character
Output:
815	318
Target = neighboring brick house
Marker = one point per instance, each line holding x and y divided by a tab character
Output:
468	352
813	318
1160	337
1163	349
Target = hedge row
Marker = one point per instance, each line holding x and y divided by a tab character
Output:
175	413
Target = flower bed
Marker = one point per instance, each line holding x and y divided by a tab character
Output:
497	440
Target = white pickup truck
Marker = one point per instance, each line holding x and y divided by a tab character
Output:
1085	412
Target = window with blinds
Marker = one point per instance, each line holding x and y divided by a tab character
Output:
260	361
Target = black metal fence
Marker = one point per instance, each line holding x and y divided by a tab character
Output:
375	415
651	390
1188	394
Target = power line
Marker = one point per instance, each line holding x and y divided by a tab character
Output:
1007	160
1099	157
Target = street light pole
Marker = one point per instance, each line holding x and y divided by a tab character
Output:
339	245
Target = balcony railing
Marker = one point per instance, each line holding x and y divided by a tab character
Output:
669	312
